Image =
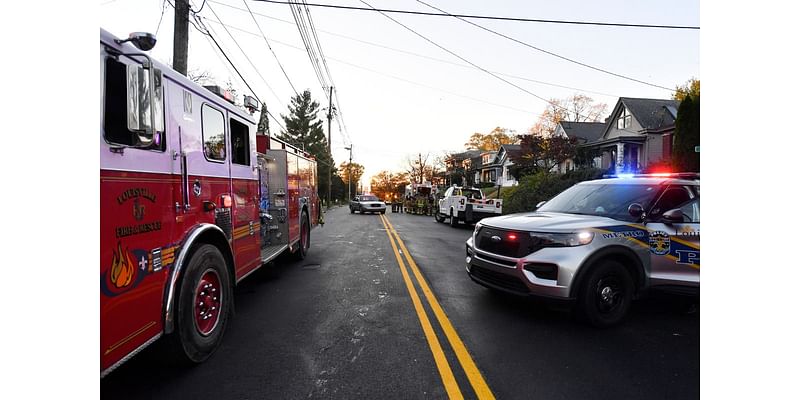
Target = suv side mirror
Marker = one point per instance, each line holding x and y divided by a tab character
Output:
636	210
672	216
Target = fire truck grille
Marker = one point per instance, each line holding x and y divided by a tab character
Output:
222	218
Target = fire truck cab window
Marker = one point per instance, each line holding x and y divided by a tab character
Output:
126	107
213	134
240	143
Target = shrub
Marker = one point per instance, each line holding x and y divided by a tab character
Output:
542	186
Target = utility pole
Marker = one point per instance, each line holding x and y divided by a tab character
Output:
180	49
349	171
330	153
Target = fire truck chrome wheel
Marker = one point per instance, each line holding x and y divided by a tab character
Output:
207	302
203	306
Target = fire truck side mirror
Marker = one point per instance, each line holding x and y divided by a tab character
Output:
145	104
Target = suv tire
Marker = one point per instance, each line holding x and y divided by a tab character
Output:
605	294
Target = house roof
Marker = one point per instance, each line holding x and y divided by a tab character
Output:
651	113
464	155
589	131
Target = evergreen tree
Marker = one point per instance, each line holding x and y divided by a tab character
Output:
304	130
687	135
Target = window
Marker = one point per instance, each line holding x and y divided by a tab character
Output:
673	197
624	120
240	143
691	211
126	107
213	133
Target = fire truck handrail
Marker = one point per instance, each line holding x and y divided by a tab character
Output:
169	304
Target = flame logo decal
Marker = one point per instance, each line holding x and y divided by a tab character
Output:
122	268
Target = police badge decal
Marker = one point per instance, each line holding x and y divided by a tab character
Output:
659	243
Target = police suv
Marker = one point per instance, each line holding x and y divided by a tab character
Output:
599	243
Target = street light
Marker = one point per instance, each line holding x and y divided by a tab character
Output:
349	175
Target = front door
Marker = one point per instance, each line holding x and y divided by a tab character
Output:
675	247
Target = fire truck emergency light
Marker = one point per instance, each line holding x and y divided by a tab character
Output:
225	94
250	103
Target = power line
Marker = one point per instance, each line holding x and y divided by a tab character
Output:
312	54
548	52
412	53
268	46
246	57
549	21
470	62
208	34
388	75
339	114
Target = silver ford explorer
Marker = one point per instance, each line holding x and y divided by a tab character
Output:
599	244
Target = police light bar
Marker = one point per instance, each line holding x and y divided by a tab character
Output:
677	175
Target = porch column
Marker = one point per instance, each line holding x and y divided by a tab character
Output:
620	157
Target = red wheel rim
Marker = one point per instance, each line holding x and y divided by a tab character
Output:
207	302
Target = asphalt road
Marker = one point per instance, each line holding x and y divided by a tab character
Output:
348	323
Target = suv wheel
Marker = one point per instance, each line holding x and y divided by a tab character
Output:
606	293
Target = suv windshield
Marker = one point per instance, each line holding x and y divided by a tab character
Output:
605	200
369	198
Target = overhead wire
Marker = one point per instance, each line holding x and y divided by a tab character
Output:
339	115
420	55
269	47
548	52
470	62
246	57
516	19
207	32
387	75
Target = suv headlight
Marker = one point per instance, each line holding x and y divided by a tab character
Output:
545	239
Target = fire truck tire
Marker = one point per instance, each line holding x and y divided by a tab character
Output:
605	294
352	211
204	304
305	238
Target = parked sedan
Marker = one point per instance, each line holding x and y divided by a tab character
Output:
367	203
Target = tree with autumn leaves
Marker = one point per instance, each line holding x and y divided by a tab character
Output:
541	149
491	141
389	185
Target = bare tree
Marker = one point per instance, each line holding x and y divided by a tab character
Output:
200	77
577	108
418	167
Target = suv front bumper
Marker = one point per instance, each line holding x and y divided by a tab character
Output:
517	276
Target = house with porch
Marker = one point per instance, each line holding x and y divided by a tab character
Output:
458	166
638	133
582	132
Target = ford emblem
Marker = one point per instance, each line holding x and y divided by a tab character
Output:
496	239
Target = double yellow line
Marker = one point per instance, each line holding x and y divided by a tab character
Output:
470	369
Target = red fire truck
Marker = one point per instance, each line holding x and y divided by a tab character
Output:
192	200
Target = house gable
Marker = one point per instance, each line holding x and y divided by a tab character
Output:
613	129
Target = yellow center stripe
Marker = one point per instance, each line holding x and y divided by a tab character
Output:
450	384
467	363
